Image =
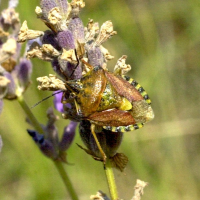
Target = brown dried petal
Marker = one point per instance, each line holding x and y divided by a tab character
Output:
37	53
8	49
121	67
92	30
106	32
51	83
54	16
106	53
69	56
50	50
27	34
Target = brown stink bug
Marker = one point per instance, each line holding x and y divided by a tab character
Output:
116	103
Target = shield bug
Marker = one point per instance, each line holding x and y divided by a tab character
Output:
116	103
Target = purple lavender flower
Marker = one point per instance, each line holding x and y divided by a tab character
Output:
66	39
46	6
68	136
14	79
22	73
45	146
57	102
49	143
77	28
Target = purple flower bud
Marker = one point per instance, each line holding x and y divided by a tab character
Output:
50	38
77	28
11	86
50	129
56	67
57	102
46	6
68	136
95	56
1	105
33	42
68	70
23	73
45	146
66	39
1	143
63	6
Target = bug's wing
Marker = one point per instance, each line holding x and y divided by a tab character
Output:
123	87
93	86
112	117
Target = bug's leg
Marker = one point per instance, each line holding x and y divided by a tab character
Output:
98	144
76	64
86	63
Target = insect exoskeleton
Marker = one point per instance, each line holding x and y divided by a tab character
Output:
117	103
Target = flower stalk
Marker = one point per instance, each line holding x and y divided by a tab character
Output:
66	180
111	180
58	164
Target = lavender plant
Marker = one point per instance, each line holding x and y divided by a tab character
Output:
71	49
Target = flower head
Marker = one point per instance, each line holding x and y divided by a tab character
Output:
49	143
14	76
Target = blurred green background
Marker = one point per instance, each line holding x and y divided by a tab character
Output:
162	41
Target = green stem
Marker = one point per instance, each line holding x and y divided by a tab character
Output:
30	115
58	164
111	180
66	180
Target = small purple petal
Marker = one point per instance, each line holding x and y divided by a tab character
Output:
95	56
68	136
32	43
68	69
63	6
23	72
45	146
46	6
50	38
57	102
50	129
66	39
56	67
77	28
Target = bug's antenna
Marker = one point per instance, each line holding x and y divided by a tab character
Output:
77	63
45	99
